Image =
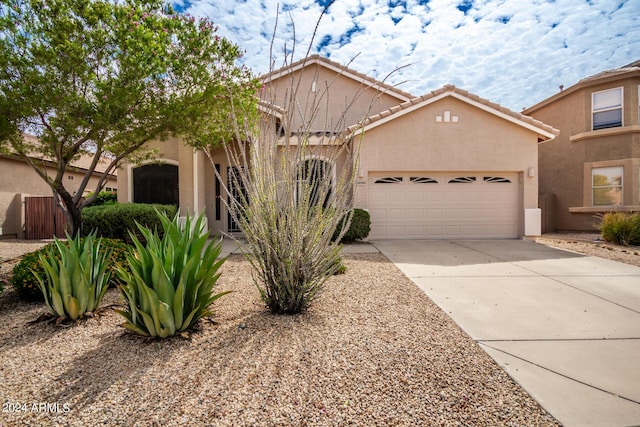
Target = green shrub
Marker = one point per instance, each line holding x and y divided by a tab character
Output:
117	221
358	229
26	285
76	276
340	269
104	198
169	284
621	228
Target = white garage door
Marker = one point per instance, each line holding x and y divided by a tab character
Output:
444	206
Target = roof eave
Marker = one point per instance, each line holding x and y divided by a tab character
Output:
584	83
543	131
340	69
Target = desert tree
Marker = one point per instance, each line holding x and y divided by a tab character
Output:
292	183
101	79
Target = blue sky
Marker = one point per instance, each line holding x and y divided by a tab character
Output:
513	52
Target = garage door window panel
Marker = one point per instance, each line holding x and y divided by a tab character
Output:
389	180
463	180
496	180
422	180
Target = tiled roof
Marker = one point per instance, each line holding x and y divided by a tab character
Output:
82	162
450	90
621	72
634	66
325	62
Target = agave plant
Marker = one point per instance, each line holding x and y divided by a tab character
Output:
170	283
76	276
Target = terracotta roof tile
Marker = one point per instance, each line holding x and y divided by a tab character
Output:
621	72
317	59
634	66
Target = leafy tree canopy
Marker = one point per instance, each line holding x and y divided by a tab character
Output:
103	78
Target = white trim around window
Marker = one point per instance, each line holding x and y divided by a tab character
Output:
607	108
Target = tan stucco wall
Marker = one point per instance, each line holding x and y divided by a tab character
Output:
11	214
202	196
565	163
339	97
172	151
479	141
196	179
18	180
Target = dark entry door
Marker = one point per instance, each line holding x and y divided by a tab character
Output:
238	191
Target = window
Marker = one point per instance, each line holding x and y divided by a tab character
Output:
496	179
388	180
463	180
279	128
218	192
156	183
607	185
607	108
423	180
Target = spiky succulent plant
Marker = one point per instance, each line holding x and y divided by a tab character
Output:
75	276
169	286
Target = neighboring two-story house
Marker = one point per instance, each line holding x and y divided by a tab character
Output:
593	166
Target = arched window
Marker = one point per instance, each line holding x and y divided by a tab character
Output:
315	178
156	183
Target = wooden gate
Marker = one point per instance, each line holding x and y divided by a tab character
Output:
43	219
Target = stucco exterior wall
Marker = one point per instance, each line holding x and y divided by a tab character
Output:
479	141
339	97
19	180
172	151
566	162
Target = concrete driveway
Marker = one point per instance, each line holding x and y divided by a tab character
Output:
565	326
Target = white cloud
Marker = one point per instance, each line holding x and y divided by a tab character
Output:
511	52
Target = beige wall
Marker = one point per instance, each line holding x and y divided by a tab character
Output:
338	98
480	141
19	180
200	194
196	178
172	151
566	162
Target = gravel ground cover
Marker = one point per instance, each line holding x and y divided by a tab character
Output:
591	244
372	351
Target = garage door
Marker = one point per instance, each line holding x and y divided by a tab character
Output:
468	205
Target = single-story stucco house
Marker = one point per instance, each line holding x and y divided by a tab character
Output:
18	181
445	165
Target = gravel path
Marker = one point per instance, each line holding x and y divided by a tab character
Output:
372	351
